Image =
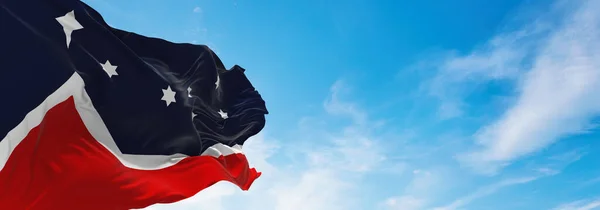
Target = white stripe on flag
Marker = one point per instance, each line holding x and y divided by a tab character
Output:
74	86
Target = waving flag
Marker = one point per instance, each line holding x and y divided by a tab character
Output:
94	117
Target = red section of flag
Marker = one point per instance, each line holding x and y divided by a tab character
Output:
59	165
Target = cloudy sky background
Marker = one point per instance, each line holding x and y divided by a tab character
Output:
397	105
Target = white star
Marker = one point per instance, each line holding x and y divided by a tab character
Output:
69	24
189	92
217	82
223	114
168	95
109	69
194	115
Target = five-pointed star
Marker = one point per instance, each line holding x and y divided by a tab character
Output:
217	82
168	95
189	92
223	114
109	69
69	24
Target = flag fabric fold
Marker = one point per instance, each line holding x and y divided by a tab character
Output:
95	117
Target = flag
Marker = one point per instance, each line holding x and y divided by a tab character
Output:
94	117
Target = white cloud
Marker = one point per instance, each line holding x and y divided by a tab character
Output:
485	191
502	57
197	10
580	205
547	167
333	105
404	203
558	78
424	182
326	176
424	190
418	192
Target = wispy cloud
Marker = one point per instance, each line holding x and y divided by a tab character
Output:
419	192
485	191
335	106
404	203
503	57
197	10
555	69
592	181
589	204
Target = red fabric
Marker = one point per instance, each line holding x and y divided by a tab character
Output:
59	165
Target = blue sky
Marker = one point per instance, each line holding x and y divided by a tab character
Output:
403	105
